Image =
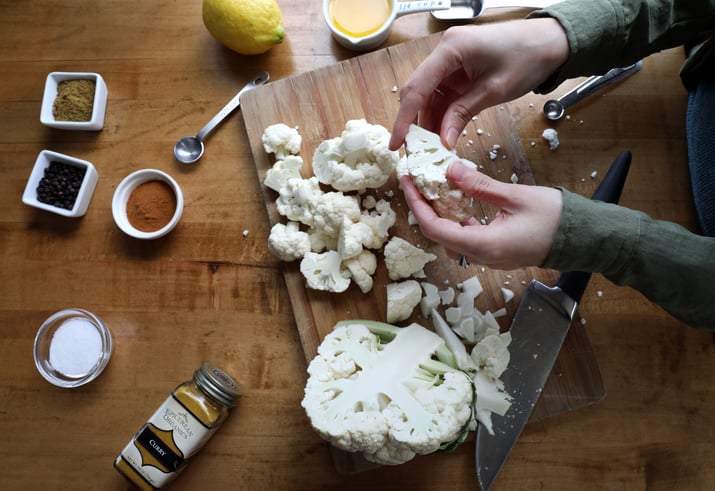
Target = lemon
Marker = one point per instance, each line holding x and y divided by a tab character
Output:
249	27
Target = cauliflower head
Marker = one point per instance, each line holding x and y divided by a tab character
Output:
387	392
356	160
427	162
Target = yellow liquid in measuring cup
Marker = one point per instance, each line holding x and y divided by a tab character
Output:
359	18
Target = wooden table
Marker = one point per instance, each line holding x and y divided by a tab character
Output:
210	292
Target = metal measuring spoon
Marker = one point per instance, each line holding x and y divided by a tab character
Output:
189	149
555	108
471	9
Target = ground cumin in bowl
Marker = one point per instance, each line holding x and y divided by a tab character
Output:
74	101
147	204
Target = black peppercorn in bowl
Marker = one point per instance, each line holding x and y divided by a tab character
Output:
74	101
60	184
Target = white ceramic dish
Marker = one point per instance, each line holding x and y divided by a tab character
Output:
375	39
99	105
72	347
125	189
84	195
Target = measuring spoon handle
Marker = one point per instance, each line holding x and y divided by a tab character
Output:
411	7
596	83
257	81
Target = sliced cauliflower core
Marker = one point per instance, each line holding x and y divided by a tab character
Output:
376	389
356	160
427	162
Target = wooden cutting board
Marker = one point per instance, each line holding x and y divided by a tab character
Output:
319	103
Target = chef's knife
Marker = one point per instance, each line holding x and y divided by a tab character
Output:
538	330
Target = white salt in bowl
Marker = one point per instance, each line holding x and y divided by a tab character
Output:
72	347
124	191
99	105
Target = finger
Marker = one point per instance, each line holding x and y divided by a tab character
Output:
416	94
480	186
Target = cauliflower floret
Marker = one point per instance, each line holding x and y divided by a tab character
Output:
320	241
352	237
281	140
330	208
361	268
380	220
421	407
323	271
296	199
402	298
282	170
404	259
288	242
356	160
427	162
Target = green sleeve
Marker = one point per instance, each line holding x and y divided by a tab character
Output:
669	265
604	34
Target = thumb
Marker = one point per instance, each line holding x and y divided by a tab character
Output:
480	186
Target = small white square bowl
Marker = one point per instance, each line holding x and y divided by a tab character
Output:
99	105
84	196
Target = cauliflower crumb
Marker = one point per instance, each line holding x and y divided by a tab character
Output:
552	137
514	178
245	233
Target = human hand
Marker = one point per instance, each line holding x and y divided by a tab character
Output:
475	67
520	235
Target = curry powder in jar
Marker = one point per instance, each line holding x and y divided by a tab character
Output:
181	426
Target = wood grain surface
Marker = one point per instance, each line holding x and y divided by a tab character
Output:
207	292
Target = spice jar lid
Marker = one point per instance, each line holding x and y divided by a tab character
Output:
218	384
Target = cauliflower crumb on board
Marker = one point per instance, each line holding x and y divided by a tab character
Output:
552	137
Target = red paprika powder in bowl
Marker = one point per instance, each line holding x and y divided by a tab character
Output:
147	204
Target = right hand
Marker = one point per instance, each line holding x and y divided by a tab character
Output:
522	234
474	67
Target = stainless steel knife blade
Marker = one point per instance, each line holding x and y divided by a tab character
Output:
538	330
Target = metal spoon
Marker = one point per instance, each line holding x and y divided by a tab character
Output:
189	149
471	9
555	108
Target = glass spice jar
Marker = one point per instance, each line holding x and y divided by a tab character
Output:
181	426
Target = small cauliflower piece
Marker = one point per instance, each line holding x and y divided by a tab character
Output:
404	259
323	271
361	268
386	392
281	140
296	199
282	170
402	298
356	160
427	162
380	220
288	242
552	137
491	354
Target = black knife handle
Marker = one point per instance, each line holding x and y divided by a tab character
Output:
574	283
